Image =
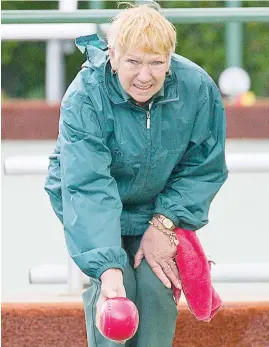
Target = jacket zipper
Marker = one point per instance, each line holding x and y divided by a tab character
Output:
148	116
150	145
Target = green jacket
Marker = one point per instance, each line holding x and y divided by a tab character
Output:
116	163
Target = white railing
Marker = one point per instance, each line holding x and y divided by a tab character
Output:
228	273
236	162
75	279
46	32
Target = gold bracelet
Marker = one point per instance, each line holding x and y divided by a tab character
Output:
172	235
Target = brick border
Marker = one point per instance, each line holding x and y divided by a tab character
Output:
38	120
63	325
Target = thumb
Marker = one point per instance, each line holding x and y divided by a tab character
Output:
122	292
138	257
109	293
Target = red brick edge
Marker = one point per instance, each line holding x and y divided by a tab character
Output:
63	325
37	120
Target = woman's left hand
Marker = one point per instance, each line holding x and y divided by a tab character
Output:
155	246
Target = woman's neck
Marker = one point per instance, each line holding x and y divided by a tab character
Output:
142	104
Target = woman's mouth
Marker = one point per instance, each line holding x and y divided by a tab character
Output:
143	87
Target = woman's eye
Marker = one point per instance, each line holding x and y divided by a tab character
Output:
131	61
157	63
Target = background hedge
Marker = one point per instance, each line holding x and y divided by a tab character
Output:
23	63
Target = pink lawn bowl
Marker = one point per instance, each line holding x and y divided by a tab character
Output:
119	319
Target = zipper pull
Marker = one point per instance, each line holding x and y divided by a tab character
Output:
148	116
148	120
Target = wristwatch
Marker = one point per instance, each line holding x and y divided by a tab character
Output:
166	222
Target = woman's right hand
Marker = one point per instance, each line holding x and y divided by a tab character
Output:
111	287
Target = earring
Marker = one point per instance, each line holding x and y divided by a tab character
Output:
114	72
168	73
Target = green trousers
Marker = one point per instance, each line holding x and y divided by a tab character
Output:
157	309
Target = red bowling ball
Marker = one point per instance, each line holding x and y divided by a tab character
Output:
119	319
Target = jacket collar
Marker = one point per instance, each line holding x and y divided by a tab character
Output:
95	49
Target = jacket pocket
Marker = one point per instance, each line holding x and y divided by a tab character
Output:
121	165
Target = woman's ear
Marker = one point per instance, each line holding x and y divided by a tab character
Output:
112	57
169	60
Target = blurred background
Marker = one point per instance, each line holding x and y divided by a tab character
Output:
38	63
206	44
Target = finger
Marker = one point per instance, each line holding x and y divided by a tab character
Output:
176	295
122	292
138	257
174	268
167	269
109	292
156	268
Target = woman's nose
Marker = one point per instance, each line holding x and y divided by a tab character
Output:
144	74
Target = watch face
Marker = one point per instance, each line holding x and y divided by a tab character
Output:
167	223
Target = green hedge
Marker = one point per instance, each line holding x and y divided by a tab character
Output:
23	63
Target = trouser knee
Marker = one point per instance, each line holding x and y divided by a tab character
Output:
152	294
157	310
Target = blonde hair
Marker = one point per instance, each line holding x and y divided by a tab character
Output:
143	27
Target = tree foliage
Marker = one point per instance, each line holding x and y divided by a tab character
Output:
23	63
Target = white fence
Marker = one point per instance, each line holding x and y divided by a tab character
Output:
72	276
237	162
230	273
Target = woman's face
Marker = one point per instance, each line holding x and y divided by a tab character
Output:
141	74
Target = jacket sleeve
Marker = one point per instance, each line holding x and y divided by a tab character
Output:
91	205
202	170
53	182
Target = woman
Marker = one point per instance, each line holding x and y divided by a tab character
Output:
141	139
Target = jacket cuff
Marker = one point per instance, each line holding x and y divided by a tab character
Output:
167	214
107	266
